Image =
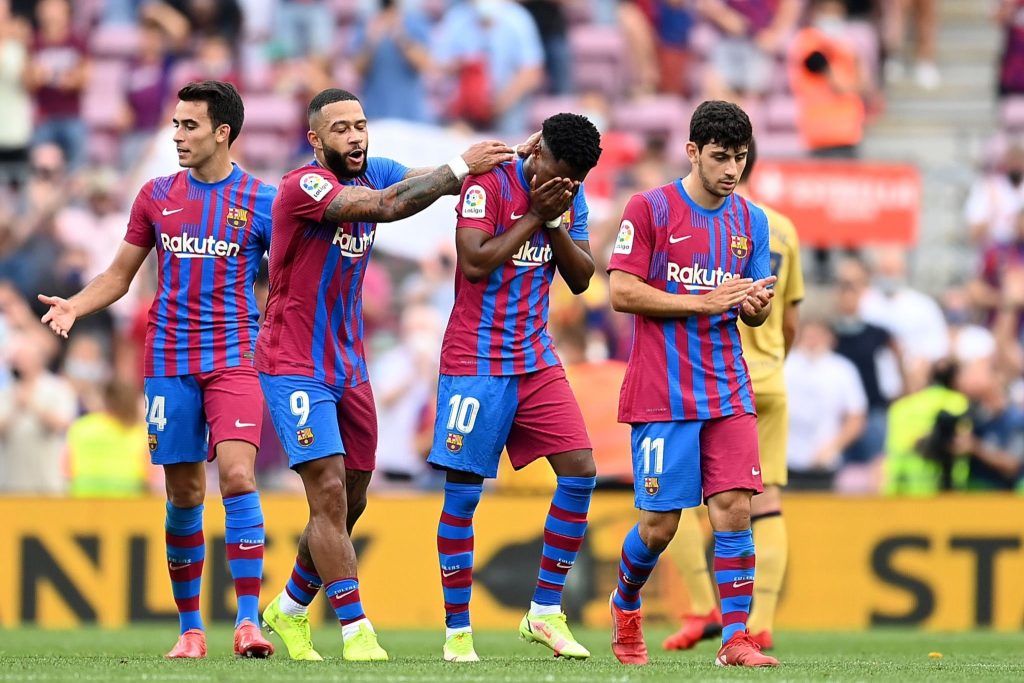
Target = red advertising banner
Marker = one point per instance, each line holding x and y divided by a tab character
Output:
843	203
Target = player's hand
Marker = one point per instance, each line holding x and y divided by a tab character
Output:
760	294
525	149
726	296
483	156
552	199
61	315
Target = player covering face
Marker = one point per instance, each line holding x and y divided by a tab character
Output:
689	260
310	351
210	226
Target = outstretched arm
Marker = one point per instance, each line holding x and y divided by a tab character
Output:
523	150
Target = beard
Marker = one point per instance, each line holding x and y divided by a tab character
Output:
711	188
341	165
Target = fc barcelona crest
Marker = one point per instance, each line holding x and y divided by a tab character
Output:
454	442
152	442
237	218
739	245
651	485
305	436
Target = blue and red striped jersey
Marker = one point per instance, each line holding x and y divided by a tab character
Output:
499	326
314	322
210	239
688	368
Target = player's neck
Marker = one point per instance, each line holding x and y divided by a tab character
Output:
215	170
701	197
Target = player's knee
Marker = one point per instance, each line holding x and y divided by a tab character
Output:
658	531
236	480
329	500
356	506
184	496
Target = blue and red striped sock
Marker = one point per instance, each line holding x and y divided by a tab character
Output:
455	551
734	574
186	552
635	568
563	536
344	597
303	584
244	539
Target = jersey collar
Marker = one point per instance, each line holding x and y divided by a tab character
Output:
235	174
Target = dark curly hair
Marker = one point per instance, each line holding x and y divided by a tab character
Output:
223	104
722	123
572	138
751	160
325	97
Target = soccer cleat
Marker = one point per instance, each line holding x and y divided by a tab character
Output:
191	645
628	644
763	640
551	630
695	628
363	647
741	650
459	648
249	641
294	631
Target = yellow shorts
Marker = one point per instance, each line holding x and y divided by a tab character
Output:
772	435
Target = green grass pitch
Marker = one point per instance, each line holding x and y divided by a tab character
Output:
135	655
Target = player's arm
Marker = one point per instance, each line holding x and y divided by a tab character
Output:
481	253
103	290
573	259
758	304
523	149
631	294
790	324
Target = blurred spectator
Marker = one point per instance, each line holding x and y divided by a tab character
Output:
15	103
553	26
1011	68
641	54
392	55
88	371
996	440
147	91
997	262
94	229
204	17
304	27
754	32
35	412
56	76
875	355
894	32
996	200
911	316
106	449
968	341
827	407
493	49
214	60
124	12
676	20
828	81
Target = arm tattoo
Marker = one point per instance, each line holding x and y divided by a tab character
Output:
401	200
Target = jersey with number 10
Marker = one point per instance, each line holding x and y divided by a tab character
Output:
499	326
209	239
688	368
314	323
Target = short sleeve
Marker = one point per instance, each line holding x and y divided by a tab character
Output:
480	203
634	244
140	227
307	194
384	172
262	211
580	217
760	263
531	50
795	289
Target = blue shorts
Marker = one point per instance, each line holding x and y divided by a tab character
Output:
534	415
188	415
680	464
316	420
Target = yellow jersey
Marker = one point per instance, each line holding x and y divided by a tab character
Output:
764	347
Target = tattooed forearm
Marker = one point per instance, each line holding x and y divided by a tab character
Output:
454	189
393	203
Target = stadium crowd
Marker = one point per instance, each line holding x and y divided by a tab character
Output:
893	390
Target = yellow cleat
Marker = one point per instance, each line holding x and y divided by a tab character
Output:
459	648
552	631
294	631
363	647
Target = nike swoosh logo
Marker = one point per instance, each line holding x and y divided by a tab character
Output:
175	567
562	565
677	240
741	584
314	586
239	425
754	471
451	573
168	212
338	596
516	216
242	546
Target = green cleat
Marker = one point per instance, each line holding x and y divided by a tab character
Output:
459	648
294	631
363	647
551	630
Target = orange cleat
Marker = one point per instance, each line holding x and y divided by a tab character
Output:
741	650
695	628
763	639
191	645
249	641
627	635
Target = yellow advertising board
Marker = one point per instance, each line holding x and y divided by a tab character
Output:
947	563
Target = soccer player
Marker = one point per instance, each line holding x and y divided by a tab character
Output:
690	258
210	226
764	349
502	385
310	351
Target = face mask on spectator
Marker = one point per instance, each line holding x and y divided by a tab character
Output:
888	285
85	371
